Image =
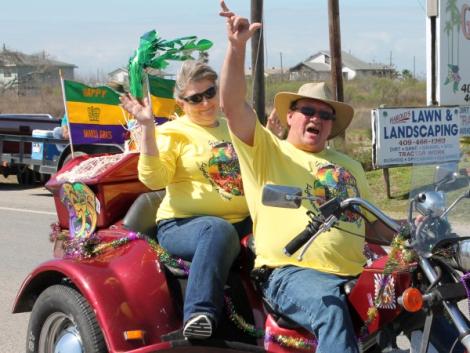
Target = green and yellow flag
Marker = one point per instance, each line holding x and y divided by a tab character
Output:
94	114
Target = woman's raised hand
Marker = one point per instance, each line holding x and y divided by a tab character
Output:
141	110
274	124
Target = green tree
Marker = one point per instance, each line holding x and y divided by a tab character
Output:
406	75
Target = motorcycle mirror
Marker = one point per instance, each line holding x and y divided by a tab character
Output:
445	173
281	196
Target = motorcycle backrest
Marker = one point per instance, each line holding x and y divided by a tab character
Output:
142	214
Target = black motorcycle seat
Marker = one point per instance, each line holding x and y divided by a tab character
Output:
141	216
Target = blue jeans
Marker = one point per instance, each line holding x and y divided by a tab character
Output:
211	244
313	300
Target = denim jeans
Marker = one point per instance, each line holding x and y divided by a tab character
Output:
313	300
211	244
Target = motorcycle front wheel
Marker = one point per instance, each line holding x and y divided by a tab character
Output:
63	321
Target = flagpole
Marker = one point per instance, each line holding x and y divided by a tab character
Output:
147	84
66	112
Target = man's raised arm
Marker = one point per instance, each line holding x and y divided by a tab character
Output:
240	115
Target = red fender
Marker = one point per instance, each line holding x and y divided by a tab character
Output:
126	287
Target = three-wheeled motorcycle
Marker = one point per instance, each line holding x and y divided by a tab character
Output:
111	288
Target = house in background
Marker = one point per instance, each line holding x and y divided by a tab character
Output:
272	74
121	75
27	74
317	68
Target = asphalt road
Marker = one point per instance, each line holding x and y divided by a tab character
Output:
25	218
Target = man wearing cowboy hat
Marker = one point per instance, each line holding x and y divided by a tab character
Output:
307	292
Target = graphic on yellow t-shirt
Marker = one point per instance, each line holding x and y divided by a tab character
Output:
334	181
223	169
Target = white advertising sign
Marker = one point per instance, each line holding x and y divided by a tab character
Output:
415	135
452	53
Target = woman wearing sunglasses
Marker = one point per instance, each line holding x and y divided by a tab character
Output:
204	210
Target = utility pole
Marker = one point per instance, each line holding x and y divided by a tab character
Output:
257	61
282	69
335	52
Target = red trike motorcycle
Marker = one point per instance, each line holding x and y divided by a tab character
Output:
112	288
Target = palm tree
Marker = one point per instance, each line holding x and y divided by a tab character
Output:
448	31
453	20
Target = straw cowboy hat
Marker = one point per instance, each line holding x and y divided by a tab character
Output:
319	91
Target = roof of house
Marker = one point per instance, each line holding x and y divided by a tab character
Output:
357	64
348	60
118	70
318	67
150	71
14	58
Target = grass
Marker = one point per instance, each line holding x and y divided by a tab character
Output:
48	101
359	145
400	184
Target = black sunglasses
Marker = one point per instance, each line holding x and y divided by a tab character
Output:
198	97
310	111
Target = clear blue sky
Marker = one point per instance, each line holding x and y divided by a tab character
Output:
101	35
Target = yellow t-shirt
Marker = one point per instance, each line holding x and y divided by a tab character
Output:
326	175
199	168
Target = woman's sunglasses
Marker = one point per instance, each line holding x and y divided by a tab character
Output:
198	97
310	111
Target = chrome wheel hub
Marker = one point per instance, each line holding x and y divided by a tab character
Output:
59	334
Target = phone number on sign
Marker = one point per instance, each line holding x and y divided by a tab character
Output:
422	142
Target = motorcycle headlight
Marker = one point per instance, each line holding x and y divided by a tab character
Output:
456	255
462	255
431	203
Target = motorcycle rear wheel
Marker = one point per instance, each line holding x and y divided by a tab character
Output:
63	321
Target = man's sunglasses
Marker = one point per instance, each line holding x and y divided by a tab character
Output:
198	97
310	112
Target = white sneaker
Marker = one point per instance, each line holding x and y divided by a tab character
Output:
198	327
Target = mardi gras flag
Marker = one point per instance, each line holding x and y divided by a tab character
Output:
94	114
163	104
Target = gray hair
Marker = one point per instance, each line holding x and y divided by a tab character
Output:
190	71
